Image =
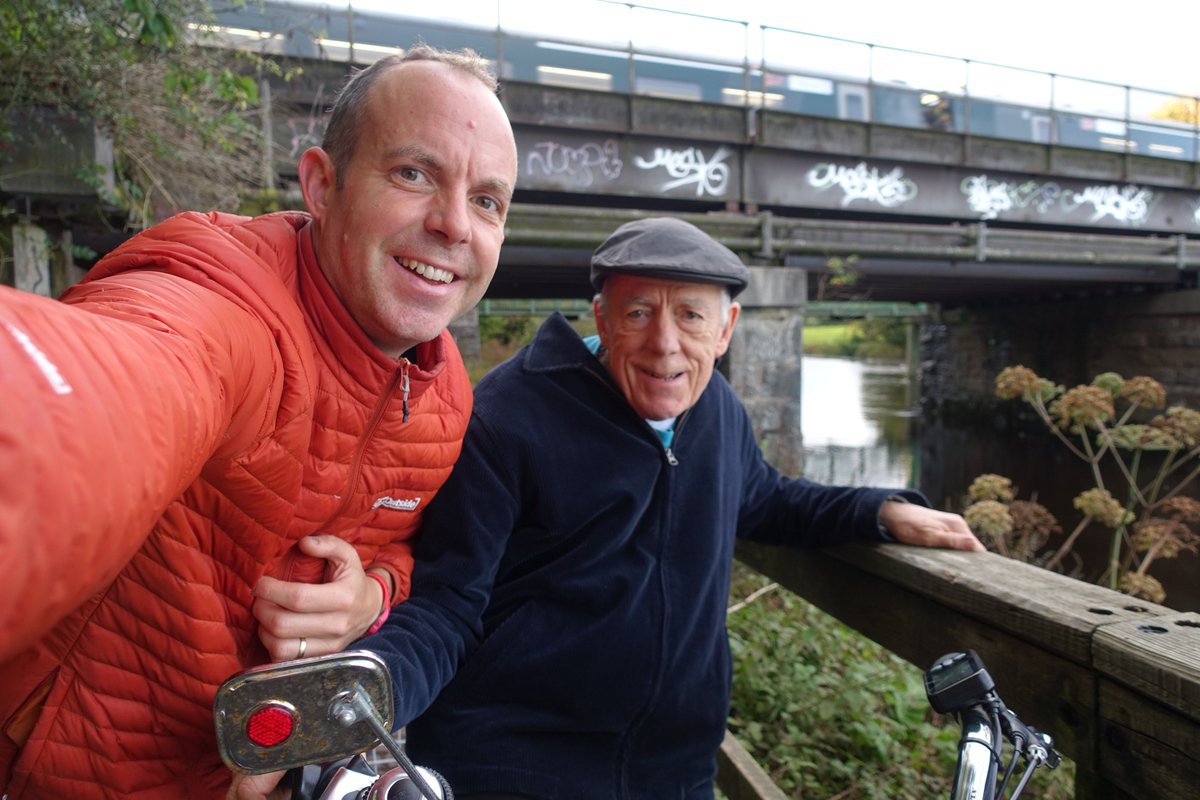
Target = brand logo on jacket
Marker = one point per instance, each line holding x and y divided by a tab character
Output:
399	504
48	369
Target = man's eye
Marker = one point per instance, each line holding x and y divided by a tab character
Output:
411	174
488	203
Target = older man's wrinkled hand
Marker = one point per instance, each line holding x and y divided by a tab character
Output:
927	527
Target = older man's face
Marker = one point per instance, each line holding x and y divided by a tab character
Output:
662	339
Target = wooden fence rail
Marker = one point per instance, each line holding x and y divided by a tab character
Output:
1115	680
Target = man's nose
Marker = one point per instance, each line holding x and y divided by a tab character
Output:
449	217
664	333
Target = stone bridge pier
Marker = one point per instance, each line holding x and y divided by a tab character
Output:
764	359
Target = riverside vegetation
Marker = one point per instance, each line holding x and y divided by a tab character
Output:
862	338
830	714
1141	455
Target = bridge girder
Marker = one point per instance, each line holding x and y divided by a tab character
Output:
547	248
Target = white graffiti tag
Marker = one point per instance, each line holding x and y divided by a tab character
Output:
989	198
861	182
1128	204
583	162
710	175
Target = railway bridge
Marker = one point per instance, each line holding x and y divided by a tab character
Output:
1056	226
1030	226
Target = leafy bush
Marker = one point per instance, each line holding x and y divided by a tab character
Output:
183	117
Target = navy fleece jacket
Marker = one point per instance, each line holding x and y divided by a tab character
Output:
579	574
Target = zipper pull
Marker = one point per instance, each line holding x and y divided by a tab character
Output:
404	391
674	462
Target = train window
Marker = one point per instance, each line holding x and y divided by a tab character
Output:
665	87
574	78
237	38
1156	140
356	52
809	85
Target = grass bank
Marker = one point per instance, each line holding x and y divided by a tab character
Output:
860	338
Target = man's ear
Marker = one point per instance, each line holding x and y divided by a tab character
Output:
318	179
601	322
727	331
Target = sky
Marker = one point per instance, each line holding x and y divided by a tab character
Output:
1152	44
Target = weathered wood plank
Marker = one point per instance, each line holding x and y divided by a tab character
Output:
739	775
1148	750
1033	604
1158	658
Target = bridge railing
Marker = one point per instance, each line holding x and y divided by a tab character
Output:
634	49
1115	680
772	237
913	89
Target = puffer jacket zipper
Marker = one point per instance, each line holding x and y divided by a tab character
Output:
399	378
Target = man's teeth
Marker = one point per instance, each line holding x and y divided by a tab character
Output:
426	271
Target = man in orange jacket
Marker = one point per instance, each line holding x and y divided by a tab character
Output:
186	437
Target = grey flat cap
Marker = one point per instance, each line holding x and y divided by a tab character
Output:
669	248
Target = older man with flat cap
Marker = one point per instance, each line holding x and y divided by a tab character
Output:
577	563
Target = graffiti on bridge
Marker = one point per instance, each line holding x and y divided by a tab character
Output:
860	182
591	163
581	162
989	198
689	166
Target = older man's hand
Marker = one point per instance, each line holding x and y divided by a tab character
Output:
927	527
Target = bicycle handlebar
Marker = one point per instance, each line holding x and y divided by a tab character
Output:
958	683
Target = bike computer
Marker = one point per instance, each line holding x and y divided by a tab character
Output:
956	681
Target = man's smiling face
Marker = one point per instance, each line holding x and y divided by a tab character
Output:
409	235
662	339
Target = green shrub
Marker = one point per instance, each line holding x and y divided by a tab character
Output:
830	714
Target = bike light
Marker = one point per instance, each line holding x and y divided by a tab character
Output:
270	725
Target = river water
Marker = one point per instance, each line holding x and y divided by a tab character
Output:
856	418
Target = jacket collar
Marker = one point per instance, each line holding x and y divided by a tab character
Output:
343	345
558	346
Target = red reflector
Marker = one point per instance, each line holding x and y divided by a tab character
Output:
269	726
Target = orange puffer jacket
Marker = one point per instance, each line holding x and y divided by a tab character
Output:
196	406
